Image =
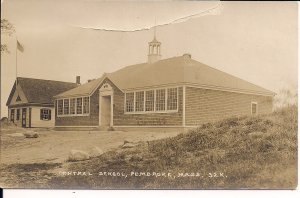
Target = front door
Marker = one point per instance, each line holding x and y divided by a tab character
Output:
105	111
24	117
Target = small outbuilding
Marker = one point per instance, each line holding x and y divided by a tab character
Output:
31	104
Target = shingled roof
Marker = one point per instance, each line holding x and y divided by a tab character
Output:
40	91
177	70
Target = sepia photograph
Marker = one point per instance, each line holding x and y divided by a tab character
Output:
149	95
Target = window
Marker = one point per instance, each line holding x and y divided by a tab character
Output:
59	107
254	108
79	105
130	102
18	99
139	101
45	114
12	115
66	106
72	106
172	99
160	99
149	100
18	114
86	105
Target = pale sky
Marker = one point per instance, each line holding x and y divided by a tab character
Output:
255	41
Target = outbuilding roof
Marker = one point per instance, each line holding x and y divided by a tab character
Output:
172	71
40	91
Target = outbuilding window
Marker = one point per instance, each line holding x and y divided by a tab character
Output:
45	114
254	108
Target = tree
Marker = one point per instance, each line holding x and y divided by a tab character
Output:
6	28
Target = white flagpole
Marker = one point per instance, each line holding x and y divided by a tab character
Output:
17	62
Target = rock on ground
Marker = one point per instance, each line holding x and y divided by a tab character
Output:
77	155
31	134
95	152
126	141
128	145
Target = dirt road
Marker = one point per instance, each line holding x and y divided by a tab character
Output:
54	146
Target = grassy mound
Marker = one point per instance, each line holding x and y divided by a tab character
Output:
244	152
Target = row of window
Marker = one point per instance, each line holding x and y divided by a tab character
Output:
45	114
158	100
73	106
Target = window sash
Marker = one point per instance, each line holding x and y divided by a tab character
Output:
60	107
129	104
160	100
66	106
73	106
86	104
172	98
139	101
149	103
253	108
79	105
45	114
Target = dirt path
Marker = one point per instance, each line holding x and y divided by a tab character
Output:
54	146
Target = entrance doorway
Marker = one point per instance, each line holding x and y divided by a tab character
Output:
105	111
24	111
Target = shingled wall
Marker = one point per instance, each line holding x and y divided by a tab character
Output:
204	105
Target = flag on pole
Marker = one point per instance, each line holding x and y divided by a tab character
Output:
20	47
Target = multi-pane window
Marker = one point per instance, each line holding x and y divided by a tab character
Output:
172	99
129	102
59	107
45	114
149	106
253	108
66	107
139	101
72	106
160	99
86	105
12	115
18	114
79	105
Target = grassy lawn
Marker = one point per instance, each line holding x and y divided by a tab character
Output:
246	152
